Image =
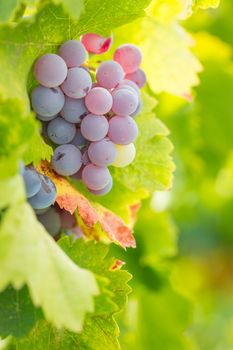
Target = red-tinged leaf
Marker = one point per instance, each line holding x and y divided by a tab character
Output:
95	221
117	264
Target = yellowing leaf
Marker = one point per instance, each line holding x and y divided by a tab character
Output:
96	221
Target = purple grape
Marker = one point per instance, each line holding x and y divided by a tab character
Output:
124	102
74	110
99	101
138	109
77	83
128	84
78	174
138	77
46	119
47	102
66	160
95	177
41	211
85	157
50	70
46	195
32	181
51	221
122	130
94	127
60	131
73	53
109	74
104	190
129	57
79	141
102	153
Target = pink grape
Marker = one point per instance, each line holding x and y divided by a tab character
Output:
99	101
74	110
122	130
94	127
78	140
95	177
77	83
138	77
129	84
129	56
95	43
66	160
109	74
104	190
124	102
102	153
47	102
73	53
50	70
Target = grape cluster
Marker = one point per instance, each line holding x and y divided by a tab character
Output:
90	123
41	194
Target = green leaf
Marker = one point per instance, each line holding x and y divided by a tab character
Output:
28	255
14	186
18	314
205	4
100	329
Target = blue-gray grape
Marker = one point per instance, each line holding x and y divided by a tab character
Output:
32	181
74	110
66	160
79	141
60	131
51	221
94	127
46	195
77	83
47	102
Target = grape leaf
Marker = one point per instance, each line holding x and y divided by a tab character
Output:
100	329
29	255
10	9
96	221
18	314
205	4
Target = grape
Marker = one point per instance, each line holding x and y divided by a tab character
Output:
102	153
60	131
122	130
85	157
66	160
47	102
73	53
138	109
46	119
32	181
67	220
79	141
94	127
77	83
50	70
104	190
129	84
78	174
125	155
95	43
41	211
46	195
51	221
129	56
124	102
138	77
99	101
74	110
95	177
109	74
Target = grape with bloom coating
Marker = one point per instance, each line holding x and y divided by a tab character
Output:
109	74
79	141
94	127
103	152
66	160
74	110
138	109
122	130
32	181
124	102
95	177
99	101
125	155
138	77
47	102
46	195
73	53
129	56
60	131
50	70
104	190
77	83
95	43
51	221
46	119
